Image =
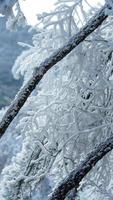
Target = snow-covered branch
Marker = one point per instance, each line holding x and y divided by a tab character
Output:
75	177
22	96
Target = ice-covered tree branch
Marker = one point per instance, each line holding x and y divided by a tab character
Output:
47	64
76	176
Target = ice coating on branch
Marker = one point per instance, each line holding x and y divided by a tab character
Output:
68	113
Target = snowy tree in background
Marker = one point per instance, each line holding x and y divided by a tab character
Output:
68	113
9	50
6	9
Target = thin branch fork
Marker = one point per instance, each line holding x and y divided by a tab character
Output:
73	180
74	41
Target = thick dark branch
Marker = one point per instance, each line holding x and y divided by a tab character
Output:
76	176
46	65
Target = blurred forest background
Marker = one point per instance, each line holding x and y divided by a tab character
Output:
9	50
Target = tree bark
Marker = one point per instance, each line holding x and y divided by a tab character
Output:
46	65
75	177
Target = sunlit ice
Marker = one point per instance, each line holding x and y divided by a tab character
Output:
33	7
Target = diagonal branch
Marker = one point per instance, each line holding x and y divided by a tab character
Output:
75	177
47	64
